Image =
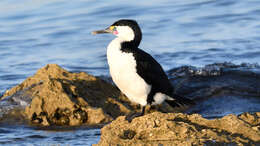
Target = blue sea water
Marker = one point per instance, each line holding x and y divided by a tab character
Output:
34	33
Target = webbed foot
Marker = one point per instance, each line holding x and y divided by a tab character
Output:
131	116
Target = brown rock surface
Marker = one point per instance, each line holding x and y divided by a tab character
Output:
58	97
63	98
182	129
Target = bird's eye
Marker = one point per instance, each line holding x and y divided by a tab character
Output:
112	28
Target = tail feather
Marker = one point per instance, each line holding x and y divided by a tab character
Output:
179	101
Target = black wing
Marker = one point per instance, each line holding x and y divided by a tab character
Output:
151	71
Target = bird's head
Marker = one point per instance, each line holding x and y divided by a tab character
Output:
127	30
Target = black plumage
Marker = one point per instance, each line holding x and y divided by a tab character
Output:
153	74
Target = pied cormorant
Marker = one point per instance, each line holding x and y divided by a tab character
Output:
136	73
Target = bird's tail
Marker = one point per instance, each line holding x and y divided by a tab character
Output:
179	101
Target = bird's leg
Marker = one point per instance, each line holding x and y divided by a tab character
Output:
143	110
130	117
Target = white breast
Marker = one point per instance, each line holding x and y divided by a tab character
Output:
122	68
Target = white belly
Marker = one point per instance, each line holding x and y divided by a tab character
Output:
122	68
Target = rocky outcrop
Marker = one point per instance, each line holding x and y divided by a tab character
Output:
58	97
54	96
182	129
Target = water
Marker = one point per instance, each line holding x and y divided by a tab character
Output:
176	33
219	89
23	135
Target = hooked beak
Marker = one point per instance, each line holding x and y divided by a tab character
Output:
107	30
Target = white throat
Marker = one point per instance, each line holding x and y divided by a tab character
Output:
125	33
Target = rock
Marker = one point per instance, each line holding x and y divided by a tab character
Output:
54	96
182	129
59	97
